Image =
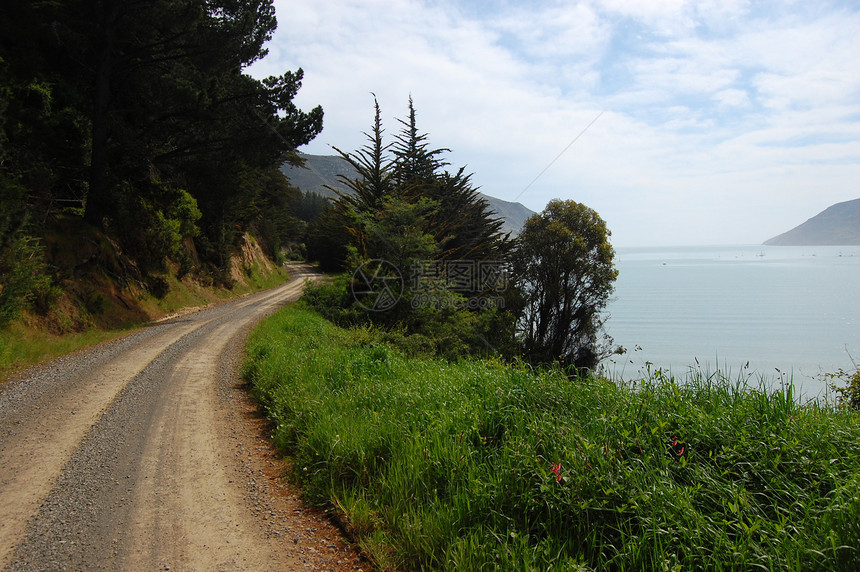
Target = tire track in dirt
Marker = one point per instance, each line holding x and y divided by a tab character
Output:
119	458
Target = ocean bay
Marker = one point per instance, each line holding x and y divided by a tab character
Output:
778	312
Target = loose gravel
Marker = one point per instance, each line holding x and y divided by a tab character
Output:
147	453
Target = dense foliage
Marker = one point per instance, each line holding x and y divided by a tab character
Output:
427	256
413	239
405	183
137	116
563	270
846	384
474	465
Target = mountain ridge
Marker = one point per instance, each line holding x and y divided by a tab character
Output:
838	224
322	171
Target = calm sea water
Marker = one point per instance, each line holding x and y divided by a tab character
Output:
781	312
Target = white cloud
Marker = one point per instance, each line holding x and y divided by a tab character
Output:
723	121
730	98
666	17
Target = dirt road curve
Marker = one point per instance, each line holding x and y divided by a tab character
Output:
146	454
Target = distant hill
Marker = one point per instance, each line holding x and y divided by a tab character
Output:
514	214
322	170
836	225
319	171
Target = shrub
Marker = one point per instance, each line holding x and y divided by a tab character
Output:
150	233
848	394
23	271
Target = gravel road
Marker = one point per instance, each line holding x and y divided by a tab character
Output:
146	453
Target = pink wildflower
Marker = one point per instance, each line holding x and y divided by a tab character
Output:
556	469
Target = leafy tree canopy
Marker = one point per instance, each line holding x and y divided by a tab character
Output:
563	272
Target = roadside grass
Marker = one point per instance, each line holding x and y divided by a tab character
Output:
478	465
260	278
27	341
21	347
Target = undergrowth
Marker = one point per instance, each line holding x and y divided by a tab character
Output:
477	465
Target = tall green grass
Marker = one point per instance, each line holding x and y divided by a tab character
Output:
478	465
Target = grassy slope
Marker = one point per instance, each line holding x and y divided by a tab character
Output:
95	304
476	465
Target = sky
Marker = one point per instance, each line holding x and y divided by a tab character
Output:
681	123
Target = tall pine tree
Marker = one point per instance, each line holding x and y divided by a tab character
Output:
460	221
144	105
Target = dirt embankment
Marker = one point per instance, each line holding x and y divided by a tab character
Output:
146	454
98	286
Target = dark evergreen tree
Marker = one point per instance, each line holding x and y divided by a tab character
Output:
375	178
367	191
427	225
134	107
461	222
44	114
463	225
308	206
329	237
415	164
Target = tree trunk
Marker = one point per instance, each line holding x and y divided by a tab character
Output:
97	197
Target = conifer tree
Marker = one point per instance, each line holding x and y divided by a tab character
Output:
375	177
141	106
404	213
461	222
